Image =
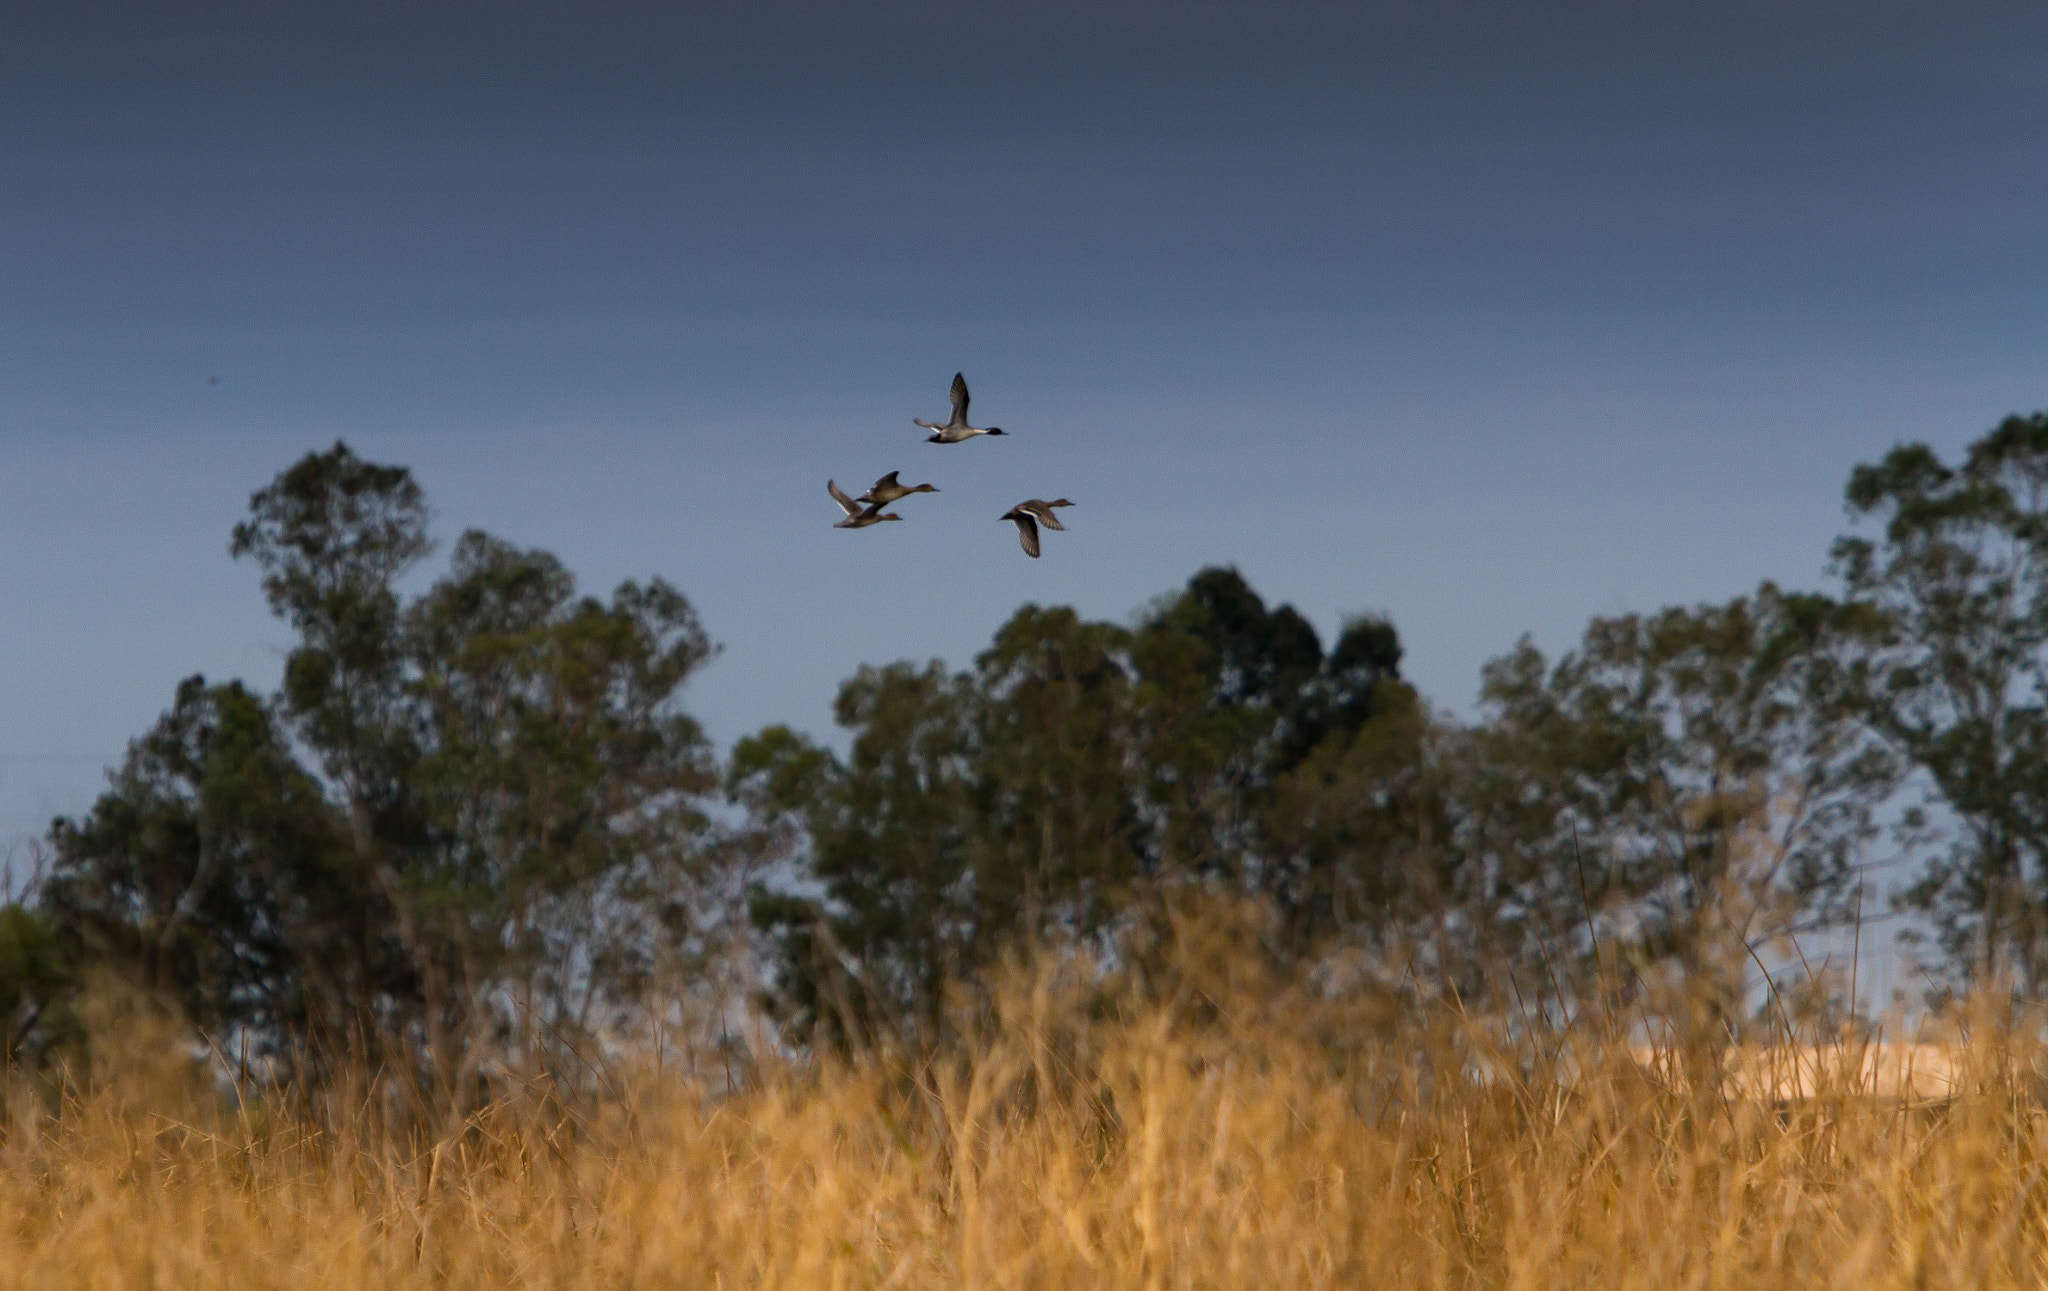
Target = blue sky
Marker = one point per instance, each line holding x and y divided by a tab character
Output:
1487	315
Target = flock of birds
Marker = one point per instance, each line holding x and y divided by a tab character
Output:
867	508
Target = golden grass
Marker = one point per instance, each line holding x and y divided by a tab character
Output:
1251	1143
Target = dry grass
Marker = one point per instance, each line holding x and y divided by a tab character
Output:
1260	1143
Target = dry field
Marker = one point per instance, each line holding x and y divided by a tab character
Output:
1260	1144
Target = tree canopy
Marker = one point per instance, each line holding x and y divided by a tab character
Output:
454	826
476	827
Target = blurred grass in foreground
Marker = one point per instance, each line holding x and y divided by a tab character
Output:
1203	1131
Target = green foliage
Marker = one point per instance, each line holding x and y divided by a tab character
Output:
332	535
1059	835
554	769
474	822
1679	787
890	831
1358	829
1244	730
1078	767
1685	781
215	870
1958	680
37	982
507	800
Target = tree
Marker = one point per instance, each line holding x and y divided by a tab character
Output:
332	535
1684	781
496	844
38	979
900	906
1060	834
1078	768
1358	827
1219	676
1958	682
215	870
557	782
1256	772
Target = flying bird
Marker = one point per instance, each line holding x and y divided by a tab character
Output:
957	429
856	516
1043	511
1027	529
887	490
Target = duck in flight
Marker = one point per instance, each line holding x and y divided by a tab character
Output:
1043	512
857	517
1027	519
957	429
887	490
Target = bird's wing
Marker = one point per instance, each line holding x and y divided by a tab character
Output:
847	504
887	481
1044	512
959	398
928	425
1027	533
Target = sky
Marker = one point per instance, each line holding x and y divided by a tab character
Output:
1487	315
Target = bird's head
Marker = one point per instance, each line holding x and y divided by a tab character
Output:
993	430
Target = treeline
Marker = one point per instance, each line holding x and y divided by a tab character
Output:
475	828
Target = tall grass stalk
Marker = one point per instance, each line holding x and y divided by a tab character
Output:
1197	1134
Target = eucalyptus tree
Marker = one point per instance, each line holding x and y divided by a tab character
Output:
1959	678
215	868
1357	831
1267	764
37	981
892	904
1078	768
557	784
975	810
333	535
1060	834
1677	786
1218	678
505	797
